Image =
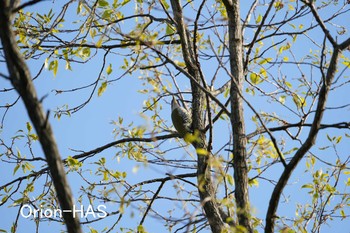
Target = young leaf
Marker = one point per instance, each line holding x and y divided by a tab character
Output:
29	127
103	3
201	151
53	66
102	89
16	168
109	69
255	78
258	20
169	30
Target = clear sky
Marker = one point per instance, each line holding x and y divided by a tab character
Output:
92	127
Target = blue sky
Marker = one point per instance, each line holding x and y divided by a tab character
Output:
91	127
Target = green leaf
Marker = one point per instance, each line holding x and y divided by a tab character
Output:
79	7
68	67
125	2
346	63
265	60
16	168
85	52
169	30
307	186
102	161
342	213
253	182
4	199
258	20
27	167
230	179
282	99
255	78
105	176
92	230
33	136
107	14
102	89
53	66
288	84
299	101
165	4
93	33
99	42
226	92
263	73
291	7
348	182
338	139
202	151
140	229
103	3
109	69
72	161
29	127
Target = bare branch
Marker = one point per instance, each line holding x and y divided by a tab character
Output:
310	4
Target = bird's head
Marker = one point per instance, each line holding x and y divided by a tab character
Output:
174	104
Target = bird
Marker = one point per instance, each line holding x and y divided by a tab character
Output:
181	118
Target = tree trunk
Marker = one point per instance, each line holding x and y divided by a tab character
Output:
237	117
215	215
21	80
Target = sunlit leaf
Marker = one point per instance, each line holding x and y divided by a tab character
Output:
342	213
105	176
125	2
346	63
16	168
308	186
255	78
103	3
165	4
253	182
102	88
169	30
53	66
291	7
109	69
29	127
230	179
278	5
202	151
99	42
282	99
265	60
258	20
299	101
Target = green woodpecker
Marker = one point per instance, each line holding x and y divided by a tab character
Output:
181	118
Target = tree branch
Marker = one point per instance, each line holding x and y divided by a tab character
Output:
311	5
214	213
237	120
310	140
22	82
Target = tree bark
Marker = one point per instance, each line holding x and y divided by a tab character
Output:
21	80
214	213
237	117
